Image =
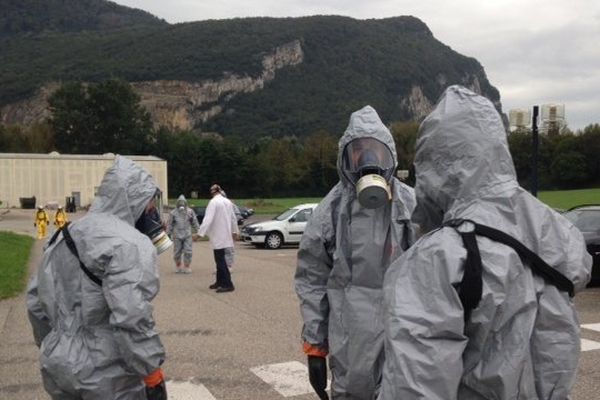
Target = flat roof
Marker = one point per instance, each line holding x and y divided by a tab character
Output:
58	156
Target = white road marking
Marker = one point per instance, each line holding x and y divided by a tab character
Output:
288	379
587	345
188	391
593	327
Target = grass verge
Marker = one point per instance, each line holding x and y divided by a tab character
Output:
15	250
260	206
561	199
565	199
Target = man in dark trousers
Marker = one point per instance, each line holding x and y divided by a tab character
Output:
220	225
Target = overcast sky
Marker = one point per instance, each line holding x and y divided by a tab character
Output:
533	51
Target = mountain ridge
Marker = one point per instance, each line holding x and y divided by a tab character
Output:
336	65
34	17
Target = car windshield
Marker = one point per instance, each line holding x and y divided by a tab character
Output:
585	220
286	214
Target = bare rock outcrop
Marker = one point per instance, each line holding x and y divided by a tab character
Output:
179	104
31	110
175	104
418	105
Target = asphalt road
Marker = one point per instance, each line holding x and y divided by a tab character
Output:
239	345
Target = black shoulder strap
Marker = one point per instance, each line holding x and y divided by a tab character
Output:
471	286
539	266
54	237
71	246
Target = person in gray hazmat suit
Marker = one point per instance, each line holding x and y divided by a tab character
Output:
358	229
183	220
89	304
480	307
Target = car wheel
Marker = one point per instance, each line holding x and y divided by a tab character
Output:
274	240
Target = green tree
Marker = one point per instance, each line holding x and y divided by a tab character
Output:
278	167
568	167
37	138
99	118
520	146
590	148
70	118
405	137
11	140
569	170
318	164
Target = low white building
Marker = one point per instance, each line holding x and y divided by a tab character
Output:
52	177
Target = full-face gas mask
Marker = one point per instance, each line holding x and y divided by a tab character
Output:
150	224
369	165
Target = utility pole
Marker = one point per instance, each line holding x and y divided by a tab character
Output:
535	148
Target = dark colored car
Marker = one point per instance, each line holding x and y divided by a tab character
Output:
245	211
587	219
201	211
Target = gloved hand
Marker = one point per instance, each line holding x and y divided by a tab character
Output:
317	374
155	386
158	392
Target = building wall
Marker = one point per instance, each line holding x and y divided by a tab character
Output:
52	179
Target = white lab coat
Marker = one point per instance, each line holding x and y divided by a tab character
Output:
219	223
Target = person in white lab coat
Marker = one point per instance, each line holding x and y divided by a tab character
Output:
221	229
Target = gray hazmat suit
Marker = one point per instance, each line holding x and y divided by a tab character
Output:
522	341
344	253
180	229
98	342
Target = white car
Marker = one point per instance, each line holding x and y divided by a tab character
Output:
286	228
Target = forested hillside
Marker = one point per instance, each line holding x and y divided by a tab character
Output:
340	64
19	17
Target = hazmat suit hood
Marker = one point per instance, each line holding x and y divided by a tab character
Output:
462	154
364	123
181	201
464	170
125	191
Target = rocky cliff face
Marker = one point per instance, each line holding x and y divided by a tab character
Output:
184	105
249	76
178	104
418	105
175	104
28	111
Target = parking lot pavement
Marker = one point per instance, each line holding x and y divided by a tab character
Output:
239	345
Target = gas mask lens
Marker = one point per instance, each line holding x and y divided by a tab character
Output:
368	164
151	225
